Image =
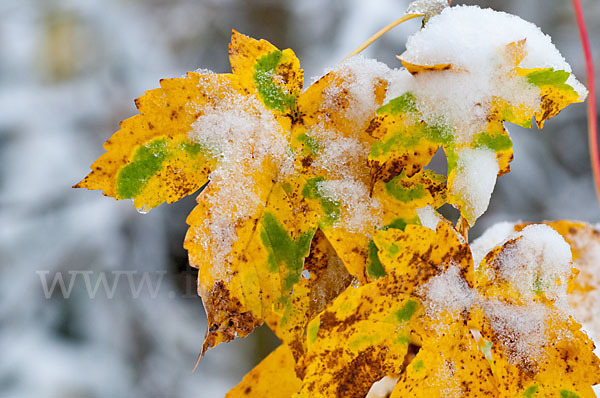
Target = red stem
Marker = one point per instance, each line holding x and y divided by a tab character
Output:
591	105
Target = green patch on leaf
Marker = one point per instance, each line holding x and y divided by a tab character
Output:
362	342
451	157
283	250
530	391
438	133
273	96
147	161
568	394
418	365
410	136
550	77
313	330
311	145
401	223
405	103
331	208
406	312
191	149
405	194
374	267
497	143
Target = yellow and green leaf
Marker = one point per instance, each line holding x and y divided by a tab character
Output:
324	277
418	253
258	273
361	337
151	159
274	76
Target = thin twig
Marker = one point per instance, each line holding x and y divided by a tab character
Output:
383	31
591	105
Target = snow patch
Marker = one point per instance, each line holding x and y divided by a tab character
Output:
360	213
535	260
359	76
475	179
243	137
492	237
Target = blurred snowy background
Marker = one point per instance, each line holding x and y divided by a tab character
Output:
69	71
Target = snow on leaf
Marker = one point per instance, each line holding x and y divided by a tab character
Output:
465	80
273	377
330	139
522	285
152	159
563	361
260	269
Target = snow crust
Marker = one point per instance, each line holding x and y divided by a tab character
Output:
471	43
448	292
470	38
243	136
537	259
428	8
429	217
492	237
475	179
359	75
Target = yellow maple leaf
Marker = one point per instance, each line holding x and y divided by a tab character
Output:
270	187
408	139
273	377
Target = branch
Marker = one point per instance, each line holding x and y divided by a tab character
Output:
591	105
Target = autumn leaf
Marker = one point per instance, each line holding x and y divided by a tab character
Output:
451	365
365	333
250	233
151	159
324	277
362	337
545	347
408	134
274	377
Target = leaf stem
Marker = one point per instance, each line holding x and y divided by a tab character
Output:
591	105
462	226
383	31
